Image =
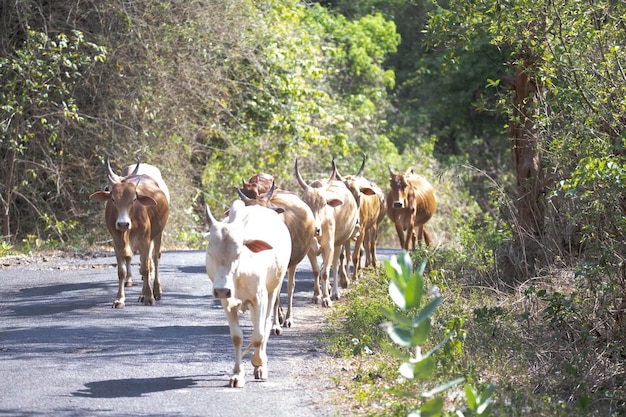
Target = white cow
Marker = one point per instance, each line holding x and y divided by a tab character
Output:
247	257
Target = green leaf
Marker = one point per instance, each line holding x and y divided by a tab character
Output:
470	396
442	387
400	335
397	295
432	408
420	333
417	370
428	310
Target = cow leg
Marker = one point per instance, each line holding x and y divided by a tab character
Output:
237	380
146	291
156	259
128	282
317	292
400	232
373	238
356	255
335	288
344	267
262	323
123	266
291	286
328	256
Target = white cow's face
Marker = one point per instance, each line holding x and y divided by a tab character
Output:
222	258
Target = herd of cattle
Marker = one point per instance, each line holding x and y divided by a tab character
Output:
266	233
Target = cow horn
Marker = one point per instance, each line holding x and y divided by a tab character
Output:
136	170
244	197
360	173
303	184
112	177
390	170
333	176
339	177
270	192
209	217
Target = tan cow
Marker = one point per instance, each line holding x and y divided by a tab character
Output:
301	224
369	205
136	212
246	259
411	203
335	213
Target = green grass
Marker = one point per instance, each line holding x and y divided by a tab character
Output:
532	340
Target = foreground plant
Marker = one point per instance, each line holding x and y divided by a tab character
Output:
410	326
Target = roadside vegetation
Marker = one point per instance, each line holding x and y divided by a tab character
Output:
515	112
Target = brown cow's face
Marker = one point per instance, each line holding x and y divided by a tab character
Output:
123	195
398	193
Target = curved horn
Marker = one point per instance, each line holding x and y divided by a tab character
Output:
333	176
360	173
303	184
244	197
112	176
270	192
209	217
390	170
136	170
337	174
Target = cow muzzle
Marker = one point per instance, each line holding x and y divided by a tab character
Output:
221	292
122	226
398	204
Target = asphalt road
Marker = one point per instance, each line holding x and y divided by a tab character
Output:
65	352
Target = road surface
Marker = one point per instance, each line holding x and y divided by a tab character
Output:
65	352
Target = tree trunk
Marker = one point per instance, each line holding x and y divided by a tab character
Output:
8	199
525	151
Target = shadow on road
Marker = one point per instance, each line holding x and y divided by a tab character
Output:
132	387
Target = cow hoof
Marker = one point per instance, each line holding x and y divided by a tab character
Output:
277	330
260	373
326	302
118	304
317	299
147	301
345	283
237	381
288	322
128	283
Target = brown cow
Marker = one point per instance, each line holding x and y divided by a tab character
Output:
136	212
258	185
301	224
369	204
335	213
411	203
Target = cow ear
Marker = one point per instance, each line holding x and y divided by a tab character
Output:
144	200
100	196
367	191
335	202
257	245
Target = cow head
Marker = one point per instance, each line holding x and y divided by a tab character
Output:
264	201
116	178
120	198
225	246
317	197
257	185
357	184
399	192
